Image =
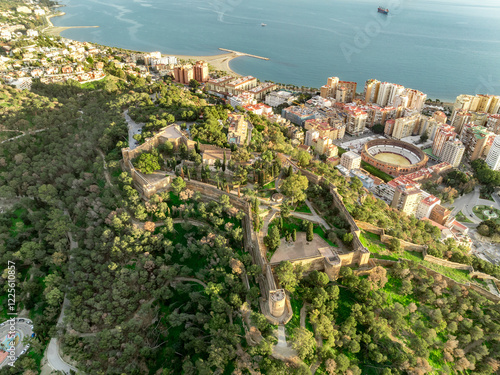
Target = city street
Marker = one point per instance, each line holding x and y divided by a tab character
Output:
467	202
23	329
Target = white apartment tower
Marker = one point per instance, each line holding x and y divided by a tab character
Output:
493	158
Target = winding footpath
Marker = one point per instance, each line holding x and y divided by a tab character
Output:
23	134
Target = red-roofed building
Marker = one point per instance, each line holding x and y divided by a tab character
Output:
259	109
426	206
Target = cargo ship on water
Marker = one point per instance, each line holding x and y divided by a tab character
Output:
383	10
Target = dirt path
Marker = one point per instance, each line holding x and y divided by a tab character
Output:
23	134
303	314
105	165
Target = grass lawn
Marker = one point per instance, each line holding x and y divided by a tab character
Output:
304	208
392	289
379	250
479	212
376	172
461	217
346	300
318	229
462	276
266	193
17	219
372	242
295	321
270	185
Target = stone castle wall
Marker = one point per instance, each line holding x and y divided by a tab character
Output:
386	239
485	293
360	255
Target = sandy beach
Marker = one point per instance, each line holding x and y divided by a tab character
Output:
55	30
219	62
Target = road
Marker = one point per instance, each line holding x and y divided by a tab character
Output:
133	129
55	360
53	357
23	328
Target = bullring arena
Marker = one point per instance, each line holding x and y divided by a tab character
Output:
394	157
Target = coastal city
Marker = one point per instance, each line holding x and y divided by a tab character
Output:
162	214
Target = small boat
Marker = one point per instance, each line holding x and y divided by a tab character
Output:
383	10
263	24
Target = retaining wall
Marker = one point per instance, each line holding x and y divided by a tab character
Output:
386	239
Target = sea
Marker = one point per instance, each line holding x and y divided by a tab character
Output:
442	47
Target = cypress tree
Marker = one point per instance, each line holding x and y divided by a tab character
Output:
310	231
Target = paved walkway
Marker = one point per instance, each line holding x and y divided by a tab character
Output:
281	349
281	337
492	287
314	217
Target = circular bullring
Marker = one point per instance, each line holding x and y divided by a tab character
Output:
394	157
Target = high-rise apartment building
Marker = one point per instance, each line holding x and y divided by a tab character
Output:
201	71
477	141
311	135
402	127
493	123
371	90
493	158
440	117
406	199
444	134
388	92
479	103
342	91
350	160
459	118
183	73
355	120
453	152
330	89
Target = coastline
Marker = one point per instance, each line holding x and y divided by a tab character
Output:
219	61
57	30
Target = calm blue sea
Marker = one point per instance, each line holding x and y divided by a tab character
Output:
441	47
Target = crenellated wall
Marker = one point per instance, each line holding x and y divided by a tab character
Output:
360	254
